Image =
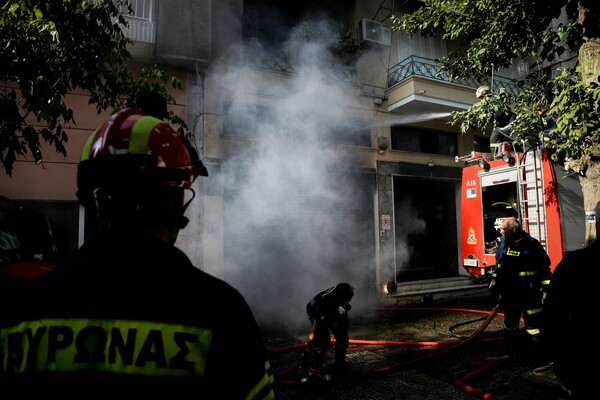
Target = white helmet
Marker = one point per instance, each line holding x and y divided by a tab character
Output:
482	91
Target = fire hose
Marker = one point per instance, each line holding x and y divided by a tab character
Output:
451	346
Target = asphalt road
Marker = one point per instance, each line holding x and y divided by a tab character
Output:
449	350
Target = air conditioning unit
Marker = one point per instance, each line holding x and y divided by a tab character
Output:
375	32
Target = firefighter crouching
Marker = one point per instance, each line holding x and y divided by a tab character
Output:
130	313
519	282
327	313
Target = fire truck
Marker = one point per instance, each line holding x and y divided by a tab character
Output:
523	183
27	247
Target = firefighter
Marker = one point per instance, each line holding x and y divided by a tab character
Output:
569	307
130	312
327	313
519	282
503	119
548	126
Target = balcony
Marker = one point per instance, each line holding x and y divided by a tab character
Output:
177	33
414	86
140	30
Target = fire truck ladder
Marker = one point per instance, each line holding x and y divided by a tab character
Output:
531	194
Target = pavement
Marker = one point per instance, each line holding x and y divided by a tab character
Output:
451	350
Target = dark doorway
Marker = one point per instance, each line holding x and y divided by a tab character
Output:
425	229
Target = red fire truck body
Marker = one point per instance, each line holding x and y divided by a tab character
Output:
526	185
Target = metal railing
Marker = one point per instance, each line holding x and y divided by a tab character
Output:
139	30
420	66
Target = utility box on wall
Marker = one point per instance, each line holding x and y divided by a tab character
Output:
375	32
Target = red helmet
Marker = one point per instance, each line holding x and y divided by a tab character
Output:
144	145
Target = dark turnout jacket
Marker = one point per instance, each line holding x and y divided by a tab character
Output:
569	310
324	307
522	268
132	312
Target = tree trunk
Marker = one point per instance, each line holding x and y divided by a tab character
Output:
591	199
589	13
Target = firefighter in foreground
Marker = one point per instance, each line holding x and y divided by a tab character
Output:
519	282
327	313
130	311
569	306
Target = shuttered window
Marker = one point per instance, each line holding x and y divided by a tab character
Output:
427	47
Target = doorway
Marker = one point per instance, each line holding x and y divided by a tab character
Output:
425	229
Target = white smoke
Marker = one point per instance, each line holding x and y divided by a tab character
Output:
295	222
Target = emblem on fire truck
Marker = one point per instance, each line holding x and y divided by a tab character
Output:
471	239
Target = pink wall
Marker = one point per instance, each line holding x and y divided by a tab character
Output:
56	178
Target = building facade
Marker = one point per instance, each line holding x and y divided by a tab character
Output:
326	136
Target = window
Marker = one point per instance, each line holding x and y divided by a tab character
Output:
142	9
518	69
418	140
482	144
427	47
241	120
349	134
272	21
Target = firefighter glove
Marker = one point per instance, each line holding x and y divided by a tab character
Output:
344	308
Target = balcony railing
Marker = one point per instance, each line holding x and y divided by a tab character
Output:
139	30
427	68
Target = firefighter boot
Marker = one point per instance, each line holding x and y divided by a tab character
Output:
306	363
311	367
513	344
341	366
319	358
535	346
314	377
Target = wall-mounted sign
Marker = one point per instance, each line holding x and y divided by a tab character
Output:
386	222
